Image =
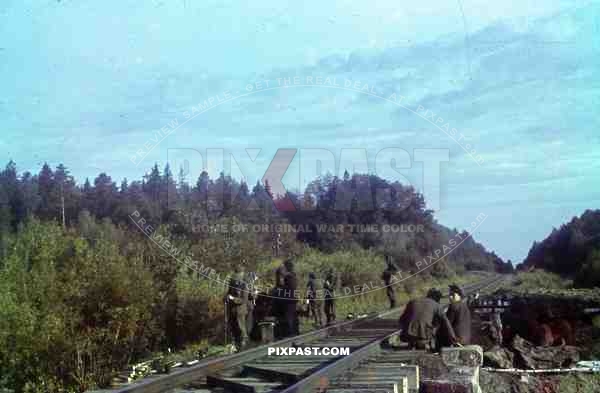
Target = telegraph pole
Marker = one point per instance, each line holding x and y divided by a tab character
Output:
276	243
62	200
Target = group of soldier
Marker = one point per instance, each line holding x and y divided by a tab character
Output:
245	305
424	323
315	304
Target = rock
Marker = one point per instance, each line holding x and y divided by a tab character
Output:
391	371
395	342
463	370
411	373
498	357
431	366
449	386
528	356
467	356
495	382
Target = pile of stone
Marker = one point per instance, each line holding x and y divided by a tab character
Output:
523	354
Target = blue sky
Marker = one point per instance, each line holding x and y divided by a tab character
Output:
87	83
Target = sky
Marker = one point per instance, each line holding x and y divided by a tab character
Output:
509	90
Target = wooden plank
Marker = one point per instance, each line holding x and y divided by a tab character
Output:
214	381
241	385
272	375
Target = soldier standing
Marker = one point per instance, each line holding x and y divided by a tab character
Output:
277	243
459	315
473	300
279	275
315	305
419	318
237	307
278	302
252	296
387	275
291	303
496	324
329	288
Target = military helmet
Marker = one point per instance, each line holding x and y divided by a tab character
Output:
456	289
434	294
289	264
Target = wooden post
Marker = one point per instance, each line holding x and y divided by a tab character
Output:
62	198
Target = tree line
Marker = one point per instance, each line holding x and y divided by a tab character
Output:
573	250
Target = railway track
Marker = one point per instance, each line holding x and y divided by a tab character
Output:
254	371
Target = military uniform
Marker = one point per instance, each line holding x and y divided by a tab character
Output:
387	275
291	304
459	316
329	289
279	275
237	309
418	321
496	328
278	304
252	295
315	305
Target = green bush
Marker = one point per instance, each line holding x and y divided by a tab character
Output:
588	275
70	312
541	279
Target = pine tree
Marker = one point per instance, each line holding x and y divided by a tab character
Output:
104	196
346	175
10	201
168	193
152	183
124	186
47	210
65	195
87	196
242	198
268	189
182	183
29	195
202	186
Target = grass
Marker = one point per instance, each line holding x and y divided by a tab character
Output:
579	383
534	280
